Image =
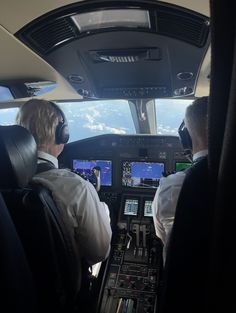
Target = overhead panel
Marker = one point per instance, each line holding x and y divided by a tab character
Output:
125	49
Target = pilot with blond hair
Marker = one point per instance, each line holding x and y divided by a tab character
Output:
86	217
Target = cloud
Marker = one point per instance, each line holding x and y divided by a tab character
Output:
103	128
89	118
166	130
94	112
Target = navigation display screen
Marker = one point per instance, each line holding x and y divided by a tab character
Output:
181	166
85	168
131	207
148	208
141	174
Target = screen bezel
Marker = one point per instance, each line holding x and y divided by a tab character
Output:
98	159
140	161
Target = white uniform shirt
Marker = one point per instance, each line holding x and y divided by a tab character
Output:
81	209
165	201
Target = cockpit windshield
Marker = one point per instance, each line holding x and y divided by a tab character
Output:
169	115
91	118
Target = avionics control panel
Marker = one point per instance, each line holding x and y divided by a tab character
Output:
125	161
134	267
130	168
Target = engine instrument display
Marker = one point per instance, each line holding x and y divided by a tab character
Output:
148	208
131	207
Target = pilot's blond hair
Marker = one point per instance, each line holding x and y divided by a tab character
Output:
196	120
41	118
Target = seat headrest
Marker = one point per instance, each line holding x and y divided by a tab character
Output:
18	157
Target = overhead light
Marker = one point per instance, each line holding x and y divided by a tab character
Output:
125	18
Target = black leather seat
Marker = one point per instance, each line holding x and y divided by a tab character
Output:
186	266
17	293
49	248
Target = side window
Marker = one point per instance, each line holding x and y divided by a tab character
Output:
5	94
8	116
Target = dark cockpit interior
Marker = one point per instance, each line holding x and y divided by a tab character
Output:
129	59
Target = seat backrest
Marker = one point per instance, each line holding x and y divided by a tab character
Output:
186	266
17	293
51	253
49	247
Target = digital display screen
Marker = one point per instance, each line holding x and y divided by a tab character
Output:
181	166
148	208
131	207
141	174
85	168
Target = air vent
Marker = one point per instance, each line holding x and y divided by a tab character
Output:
125	56
183	26
50	35
76	79
185	75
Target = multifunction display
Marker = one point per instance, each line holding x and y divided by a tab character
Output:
181	166
86	169
141	174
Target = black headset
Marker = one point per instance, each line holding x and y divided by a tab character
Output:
62	131
185	139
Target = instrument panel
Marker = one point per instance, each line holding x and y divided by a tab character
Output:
127	162
130	168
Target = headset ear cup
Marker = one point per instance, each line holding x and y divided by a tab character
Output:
185	138
62	133
188	139
65	133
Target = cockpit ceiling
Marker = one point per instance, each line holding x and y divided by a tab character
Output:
163	67
15	14
167	70
148	61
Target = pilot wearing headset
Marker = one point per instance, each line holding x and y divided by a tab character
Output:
193	136
77	200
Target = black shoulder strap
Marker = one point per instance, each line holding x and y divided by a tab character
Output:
43	167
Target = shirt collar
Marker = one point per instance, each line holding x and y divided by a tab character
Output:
200	154
46	157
